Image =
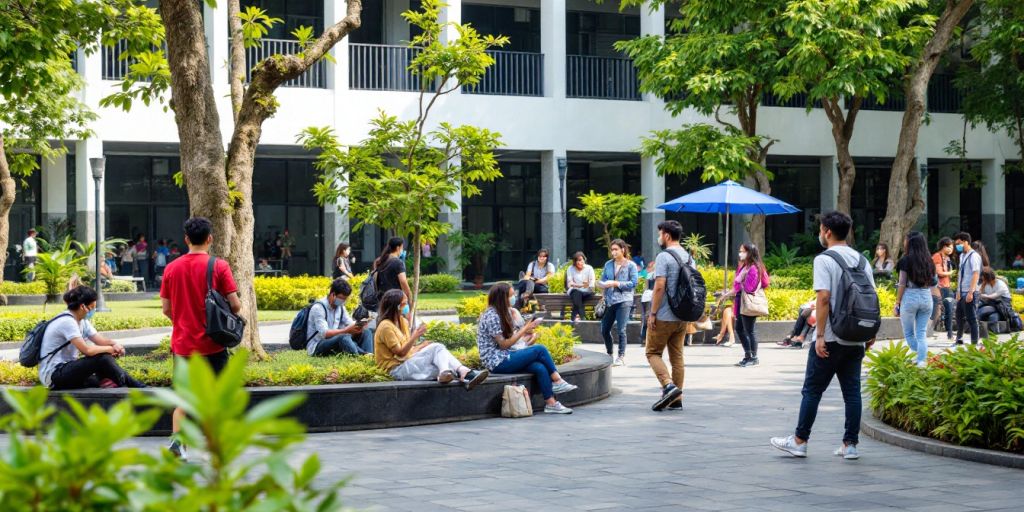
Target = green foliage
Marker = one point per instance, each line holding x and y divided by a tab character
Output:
81	459
472	306
55	268
699	251
780	255
718	153
439	283
452	336
969	397
475	249
617	214
256	24
14	325
560	340
12	288
290	293
120	286
802	273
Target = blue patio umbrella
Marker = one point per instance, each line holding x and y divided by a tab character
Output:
728	197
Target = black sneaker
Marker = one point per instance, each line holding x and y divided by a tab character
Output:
797	345
474	378
743	362
668	395
677	405
753	361
178	450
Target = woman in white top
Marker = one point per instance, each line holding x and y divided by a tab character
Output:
64	340
995	296
579	284
535	279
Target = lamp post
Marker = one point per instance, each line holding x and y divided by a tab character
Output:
98	165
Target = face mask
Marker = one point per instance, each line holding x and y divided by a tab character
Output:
405	310
823	241
338	303
401	255
959	248
743	256
90	314
512	301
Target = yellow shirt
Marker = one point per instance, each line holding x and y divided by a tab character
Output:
389	338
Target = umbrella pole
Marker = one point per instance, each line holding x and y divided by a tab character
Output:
725	268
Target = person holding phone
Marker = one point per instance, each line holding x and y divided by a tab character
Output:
535	279
332	330
495	337
398	351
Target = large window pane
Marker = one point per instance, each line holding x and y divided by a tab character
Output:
301	178
268	181
127	179
164	190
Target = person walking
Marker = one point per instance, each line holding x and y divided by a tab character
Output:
751	276
29	254
183	297
831	355
944	271
968	274
161	257
618	280
128	260
579	284
664	329
914	294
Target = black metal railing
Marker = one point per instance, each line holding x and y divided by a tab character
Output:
893	103
798	100
314	78
609	78
513	74
382	67
114	67
943	96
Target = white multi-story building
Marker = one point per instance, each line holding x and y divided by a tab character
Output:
571	117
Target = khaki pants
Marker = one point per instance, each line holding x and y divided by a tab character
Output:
659	336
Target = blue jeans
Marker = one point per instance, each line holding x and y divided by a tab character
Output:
844	362
616	313
534	359
915	312
345	344
967	312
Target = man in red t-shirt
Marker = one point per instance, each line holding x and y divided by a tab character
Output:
183	294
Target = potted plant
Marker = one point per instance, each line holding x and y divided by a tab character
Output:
474	251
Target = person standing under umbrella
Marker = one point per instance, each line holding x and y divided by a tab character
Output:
750	277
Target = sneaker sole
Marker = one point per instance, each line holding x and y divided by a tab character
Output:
800	455
563	411
660	405
480	377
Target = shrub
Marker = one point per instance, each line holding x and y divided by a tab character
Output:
46	468
560	339
33	288
289	293
119	286
453	336
1018	302
802	275
438	283
15	325
971	397
473	306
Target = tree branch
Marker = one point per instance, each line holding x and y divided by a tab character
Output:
722	122
236	60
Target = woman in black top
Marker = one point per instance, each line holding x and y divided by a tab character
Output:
390	268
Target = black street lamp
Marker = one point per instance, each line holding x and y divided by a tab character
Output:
98	165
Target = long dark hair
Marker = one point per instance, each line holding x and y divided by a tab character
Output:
498	299
623	246
888	254
917	263
391	306
753	257
979	246
339	251
393	243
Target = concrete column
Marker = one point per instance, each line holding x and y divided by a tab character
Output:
90	66
452	216
338	72
552	45
85	192
652	187
55	189
949	197
829	182
552	205
993	207
336	230
218	42
652	23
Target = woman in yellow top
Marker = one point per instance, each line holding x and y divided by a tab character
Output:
396	351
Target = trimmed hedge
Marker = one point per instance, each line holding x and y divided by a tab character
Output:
295	368
970	397
15	325
473	306
288	293
33	288
438	283
453	336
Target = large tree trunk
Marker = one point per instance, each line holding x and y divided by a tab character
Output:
905	204
842	133
756	227
7	191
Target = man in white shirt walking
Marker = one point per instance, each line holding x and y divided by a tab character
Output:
29	253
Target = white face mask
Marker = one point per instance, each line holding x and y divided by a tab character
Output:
743	256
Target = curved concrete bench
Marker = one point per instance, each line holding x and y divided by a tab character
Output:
339	407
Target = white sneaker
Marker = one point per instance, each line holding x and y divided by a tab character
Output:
558	408
563	387
619	362
789	445
847	451
922	364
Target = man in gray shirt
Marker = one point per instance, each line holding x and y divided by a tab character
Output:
967	288
331	330
830	355
665	329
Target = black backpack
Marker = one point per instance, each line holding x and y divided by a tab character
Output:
297	338
32	347
222	326
857	315
368	297
688	299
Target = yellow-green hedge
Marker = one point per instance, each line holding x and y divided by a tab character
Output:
13	288
14	325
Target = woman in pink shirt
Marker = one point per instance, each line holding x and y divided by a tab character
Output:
750	276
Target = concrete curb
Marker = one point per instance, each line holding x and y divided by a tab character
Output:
879	431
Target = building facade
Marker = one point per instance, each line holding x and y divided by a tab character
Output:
571	117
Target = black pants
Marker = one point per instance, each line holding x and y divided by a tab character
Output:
525	289
988	313
87	372
578	297
745	332
801	321
217	360
843	362
967	312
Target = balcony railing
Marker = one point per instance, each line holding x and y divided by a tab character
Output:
943	96
513	74
609	78
114	67
381	67
798	100
314	78
892	103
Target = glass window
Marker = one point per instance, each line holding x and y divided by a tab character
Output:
127	179
267	179
164	190
798	183
301	178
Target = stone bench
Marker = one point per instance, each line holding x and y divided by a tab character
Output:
557	305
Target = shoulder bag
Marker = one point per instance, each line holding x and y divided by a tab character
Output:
754	304
515	402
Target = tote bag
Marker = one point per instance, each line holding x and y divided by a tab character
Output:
754	304
515	402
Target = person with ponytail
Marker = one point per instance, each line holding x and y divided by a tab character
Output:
64	341
390	268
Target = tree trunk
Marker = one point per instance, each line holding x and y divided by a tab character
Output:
905	203
416	251
7	191
842	133
756	227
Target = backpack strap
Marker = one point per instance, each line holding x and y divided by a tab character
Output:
842	261
209	273
58	349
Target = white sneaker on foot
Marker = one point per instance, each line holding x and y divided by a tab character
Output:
789	445
558	408
563	387
619	362
847	451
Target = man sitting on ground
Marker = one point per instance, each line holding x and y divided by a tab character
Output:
331	330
